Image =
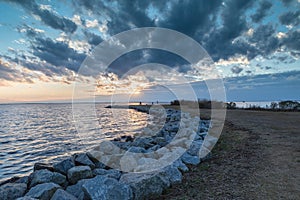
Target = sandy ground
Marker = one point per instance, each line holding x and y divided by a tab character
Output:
257	157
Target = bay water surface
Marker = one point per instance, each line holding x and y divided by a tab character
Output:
31	133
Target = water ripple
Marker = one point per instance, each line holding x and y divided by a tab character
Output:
32	133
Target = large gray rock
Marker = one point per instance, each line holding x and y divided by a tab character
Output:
160	141
100	165
11	191
137	150
40	166
154	148
83	159
63	166
172	174
24	179
143	142
195	148
189	159
45	176
94	155
11	180
43	191
76	189
104	188
26	198
111	173
108	148
79	172
180	165
145	186
62	195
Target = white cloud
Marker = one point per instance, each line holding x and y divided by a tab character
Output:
250	32
290	27
237	59
80	46
108	84
281	35
62	37
103	28
77	20
11	49
36	17
24	30
20	41
91	24
45	7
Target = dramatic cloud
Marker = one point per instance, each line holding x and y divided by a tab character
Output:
290	18
236	33
57	53
265	33
121	15
92	38
51	57
293	40
140	57
221	40
191	17
262	11
109	83
9	72
287	2
47	16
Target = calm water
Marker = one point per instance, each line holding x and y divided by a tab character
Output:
32	133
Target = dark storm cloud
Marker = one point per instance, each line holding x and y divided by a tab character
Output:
236	69
265	39
47	16
140	57
287	2
261	12
57	53
134	12
220	27
220	41
292	41
92	38
126	15
215	25
189	17
290	18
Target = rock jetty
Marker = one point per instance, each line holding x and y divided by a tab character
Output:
129	167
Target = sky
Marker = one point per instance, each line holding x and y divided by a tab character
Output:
253	44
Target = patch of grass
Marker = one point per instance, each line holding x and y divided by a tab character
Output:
204	166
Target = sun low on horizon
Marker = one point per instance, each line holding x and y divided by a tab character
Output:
254	45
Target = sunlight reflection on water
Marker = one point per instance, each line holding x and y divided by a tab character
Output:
32	133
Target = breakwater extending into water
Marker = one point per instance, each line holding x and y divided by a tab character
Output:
125	167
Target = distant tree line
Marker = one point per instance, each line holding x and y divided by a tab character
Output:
204	104
207	104
285	105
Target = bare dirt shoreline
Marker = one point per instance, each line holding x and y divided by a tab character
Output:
257	157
